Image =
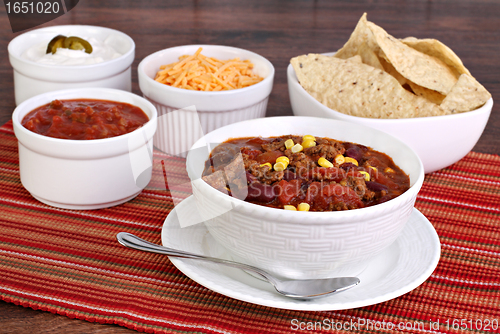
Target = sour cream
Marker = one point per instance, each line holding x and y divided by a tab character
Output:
101	51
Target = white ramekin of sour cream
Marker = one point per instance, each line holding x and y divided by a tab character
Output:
35	72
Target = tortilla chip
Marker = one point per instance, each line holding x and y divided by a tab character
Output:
386	66
435	48
361	43
361	39
421	69
466	95
369	57
376	75
428	94
358	89
355	59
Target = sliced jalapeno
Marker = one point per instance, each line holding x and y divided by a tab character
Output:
77	43
55	43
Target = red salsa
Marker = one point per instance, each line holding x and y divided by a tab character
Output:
84	119
300	173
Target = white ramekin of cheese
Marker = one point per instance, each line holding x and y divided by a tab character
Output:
35	72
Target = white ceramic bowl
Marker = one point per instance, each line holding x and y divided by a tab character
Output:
439	141
31	78
178	131
304	244
85	174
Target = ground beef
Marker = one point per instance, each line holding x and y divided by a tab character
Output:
277	144
359	186
261	172
328	151
274	176
247	161
339	206
264	174
300	162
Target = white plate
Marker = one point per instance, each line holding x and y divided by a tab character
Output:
402	267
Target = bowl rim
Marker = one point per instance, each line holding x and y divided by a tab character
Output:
36	136
293	80
397	201
175	90
71	67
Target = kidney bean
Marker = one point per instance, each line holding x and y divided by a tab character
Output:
375	186
289	175
251	178
348	165
354	152
348	145
260	192
384	199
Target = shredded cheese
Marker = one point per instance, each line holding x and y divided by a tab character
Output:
198	72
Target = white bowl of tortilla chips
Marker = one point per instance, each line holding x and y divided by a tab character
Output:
416	90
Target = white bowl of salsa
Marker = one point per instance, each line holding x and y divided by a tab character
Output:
85	148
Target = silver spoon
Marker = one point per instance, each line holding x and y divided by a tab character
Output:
298	289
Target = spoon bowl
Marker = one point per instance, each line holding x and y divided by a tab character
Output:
297	289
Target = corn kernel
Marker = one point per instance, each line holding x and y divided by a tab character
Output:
389	170
289	143
297	148
324	163
279	166
303	207
351	160
308	137
339	159
289	207
374	168
267	164
308	143
366	175
283	159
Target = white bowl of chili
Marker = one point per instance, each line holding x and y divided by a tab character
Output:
298	244
35	72
185	115
85	173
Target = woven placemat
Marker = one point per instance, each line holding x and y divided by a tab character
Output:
68	262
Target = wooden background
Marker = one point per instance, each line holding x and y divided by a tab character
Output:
278	30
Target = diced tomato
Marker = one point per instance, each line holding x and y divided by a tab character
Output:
340	193
251	153
382	179
270	157
288	190
257	141
331	173
321	203
313	191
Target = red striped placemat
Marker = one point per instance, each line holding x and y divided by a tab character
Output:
68	262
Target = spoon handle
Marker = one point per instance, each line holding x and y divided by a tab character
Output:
132	241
